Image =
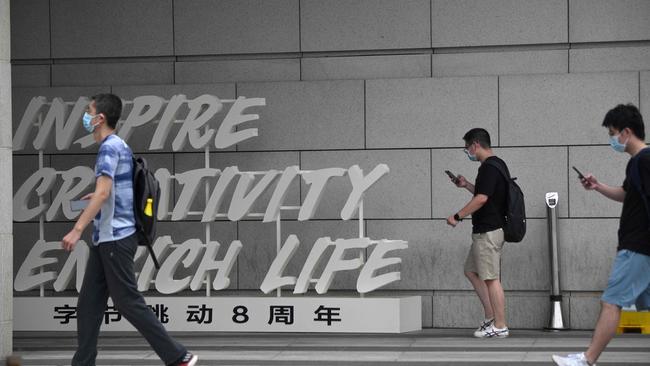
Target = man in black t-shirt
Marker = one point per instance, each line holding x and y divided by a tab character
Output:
487	207
629	281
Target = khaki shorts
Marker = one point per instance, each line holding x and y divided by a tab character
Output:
484	257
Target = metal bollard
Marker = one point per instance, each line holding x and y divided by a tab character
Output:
556	321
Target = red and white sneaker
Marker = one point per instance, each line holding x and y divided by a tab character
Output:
188	360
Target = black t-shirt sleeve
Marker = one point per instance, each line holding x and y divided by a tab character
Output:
486	181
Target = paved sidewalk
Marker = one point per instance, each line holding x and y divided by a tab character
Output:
427	347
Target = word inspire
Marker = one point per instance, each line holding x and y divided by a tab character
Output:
145	110
192	254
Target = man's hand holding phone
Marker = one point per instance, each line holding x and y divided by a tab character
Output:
588	181
458	180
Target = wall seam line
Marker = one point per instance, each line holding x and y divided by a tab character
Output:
365	113
431	179
568	185
498	110
49	10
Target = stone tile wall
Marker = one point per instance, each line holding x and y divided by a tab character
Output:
365	82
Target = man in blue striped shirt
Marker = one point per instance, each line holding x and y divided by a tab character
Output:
115	220
110	268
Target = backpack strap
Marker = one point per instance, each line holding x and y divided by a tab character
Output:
506	174
501	168
636	181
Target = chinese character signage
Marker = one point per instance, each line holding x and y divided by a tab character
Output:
246	314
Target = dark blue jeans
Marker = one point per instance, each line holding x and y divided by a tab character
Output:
110	271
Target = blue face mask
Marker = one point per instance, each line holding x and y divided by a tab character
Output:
615	144
87	120
470	156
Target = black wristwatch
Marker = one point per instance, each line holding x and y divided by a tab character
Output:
457	218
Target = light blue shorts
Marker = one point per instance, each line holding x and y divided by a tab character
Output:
629	282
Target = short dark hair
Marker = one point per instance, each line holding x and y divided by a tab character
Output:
110	105
479	135
625	116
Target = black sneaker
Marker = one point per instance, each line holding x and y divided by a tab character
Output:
188	360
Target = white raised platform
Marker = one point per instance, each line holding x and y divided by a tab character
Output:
239	314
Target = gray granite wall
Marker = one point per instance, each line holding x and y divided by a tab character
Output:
6	237
367	82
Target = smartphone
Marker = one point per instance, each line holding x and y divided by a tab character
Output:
78	205
452	176
580	175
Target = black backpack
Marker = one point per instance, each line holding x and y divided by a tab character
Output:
145	187
515	226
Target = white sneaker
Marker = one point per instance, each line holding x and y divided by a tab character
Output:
484	325
492	332
575	359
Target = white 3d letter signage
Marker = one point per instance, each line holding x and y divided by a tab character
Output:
241	190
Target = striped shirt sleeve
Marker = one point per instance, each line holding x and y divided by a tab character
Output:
107	159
